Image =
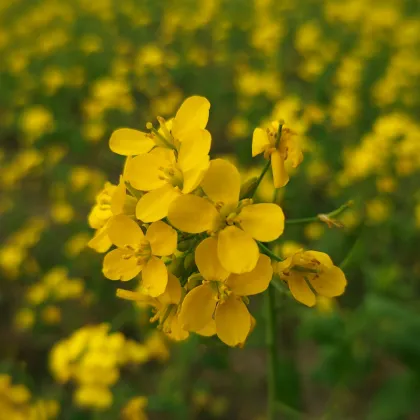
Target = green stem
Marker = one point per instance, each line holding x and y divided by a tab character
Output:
260	178
272	363
132	191
268	252
317	218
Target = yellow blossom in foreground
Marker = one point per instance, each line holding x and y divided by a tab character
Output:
279	151
237	224
138	252
310	272
217	306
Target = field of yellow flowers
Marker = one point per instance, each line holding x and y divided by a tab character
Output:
209	209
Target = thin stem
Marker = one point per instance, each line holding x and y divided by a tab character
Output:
132	191
269	253
321	217
260	178
272	363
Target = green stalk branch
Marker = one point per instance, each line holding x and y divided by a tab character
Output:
268	252
327	218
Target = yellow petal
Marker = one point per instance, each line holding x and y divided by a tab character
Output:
154	205
117	267
330	283
154	277
238	252
193	214
144	172
233	321
118	198
254	282
281	266
198	308
280	176
300	290
162	238
173	329
264	221
322	257
194	176
127	142
173	291
260	141
207	260
194	149
124	231
100	242
192	114
208	330
222	182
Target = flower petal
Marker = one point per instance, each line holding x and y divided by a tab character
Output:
117	267
208	330
118	198
144	172
194	148
193	214
173	291
322	257
264	221
154	277
100	242
330	283
154	205
207	260
280	175
300	290
254	282
222	182
260	141
124	231
128	142
197	308
233	321
162	238
192	114
195	175
238	252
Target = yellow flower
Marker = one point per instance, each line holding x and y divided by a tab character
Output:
286	149
217	305
165	306
237	224
310	272
187	126
138	252
135	409
165	176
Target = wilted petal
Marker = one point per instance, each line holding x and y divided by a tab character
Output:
233	321
154	277
192	114
330	283
162	238
193	214
124	231
222	182
280	176
264	221
254	282
154	205
300	289
238	252
117	267
128	142
260	141
198	308
208	262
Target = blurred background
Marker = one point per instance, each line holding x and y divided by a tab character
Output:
343	74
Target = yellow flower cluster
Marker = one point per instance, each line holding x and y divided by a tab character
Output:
16	403
92	358
183	226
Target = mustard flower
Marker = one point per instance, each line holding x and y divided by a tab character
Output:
138	252
279	151
218	304
236	224
311	273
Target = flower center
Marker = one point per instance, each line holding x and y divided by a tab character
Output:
140	252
